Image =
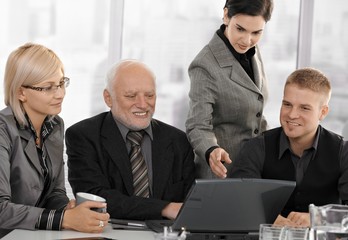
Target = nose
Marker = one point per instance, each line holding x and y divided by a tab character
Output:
141	102
293	113
247	39
60	92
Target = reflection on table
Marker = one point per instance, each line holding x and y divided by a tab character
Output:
67	234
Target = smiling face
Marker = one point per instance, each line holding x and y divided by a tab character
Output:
132	99
243	31
300	113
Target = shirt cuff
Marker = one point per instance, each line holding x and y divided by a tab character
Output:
208	152
50	220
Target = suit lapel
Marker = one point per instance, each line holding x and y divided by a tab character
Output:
30	149
257	69
116	148
226	59
162	159
55	149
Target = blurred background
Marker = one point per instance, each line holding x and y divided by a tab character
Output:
90	35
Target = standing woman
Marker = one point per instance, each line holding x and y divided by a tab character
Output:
228	88
32	191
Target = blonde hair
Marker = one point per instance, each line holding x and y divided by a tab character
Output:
29	64
312	79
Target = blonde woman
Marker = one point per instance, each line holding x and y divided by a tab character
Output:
32	191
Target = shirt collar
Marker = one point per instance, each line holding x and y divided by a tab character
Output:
249	54
124	130
46	129
285	144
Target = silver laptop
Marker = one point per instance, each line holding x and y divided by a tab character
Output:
229	205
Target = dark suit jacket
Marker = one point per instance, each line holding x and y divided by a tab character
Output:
98	163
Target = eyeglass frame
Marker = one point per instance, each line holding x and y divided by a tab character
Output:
64	83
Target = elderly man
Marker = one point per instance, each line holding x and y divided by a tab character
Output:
143	167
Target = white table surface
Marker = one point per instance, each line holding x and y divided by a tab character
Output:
67	234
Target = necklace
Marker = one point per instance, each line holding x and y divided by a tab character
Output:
37	141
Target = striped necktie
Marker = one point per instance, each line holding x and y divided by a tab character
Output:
139	168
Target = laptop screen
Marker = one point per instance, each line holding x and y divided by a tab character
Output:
232	205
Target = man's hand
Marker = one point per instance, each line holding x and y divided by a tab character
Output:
216	159
300	218
294	219
171	210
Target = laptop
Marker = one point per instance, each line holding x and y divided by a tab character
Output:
235	205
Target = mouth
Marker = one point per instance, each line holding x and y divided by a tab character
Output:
293	123
57	104
140	114
242	47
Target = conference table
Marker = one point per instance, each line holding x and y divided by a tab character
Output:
67	234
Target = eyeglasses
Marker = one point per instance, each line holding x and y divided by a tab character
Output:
64	83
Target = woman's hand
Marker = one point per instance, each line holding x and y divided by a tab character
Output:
216	159
81	218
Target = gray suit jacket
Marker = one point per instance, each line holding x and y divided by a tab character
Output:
226	106
21	178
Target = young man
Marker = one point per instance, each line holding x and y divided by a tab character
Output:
142	167
300	150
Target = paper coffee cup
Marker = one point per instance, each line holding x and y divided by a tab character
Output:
83	197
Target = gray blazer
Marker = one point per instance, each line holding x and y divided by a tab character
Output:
21	178
226	106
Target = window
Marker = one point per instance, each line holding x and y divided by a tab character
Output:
167	35
329	53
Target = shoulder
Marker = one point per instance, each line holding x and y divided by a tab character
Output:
167	131
158	125
97	119
214	57
255	142
260	141
91	123
6	115
8	127
7	120
208	53
326	134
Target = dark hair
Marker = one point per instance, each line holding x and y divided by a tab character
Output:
262	8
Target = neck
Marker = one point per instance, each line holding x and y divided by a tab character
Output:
298	145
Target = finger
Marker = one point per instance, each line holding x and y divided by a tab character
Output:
227	160
103	216
93	204
219	170
225	157
98	226
72	203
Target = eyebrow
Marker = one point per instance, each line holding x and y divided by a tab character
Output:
306	105
237	25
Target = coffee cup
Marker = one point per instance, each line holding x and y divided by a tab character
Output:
83	197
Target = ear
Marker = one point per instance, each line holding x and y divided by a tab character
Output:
225	19
21	95
107	98
324	112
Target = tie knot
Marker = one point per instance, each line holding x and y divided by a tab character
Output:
135	137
